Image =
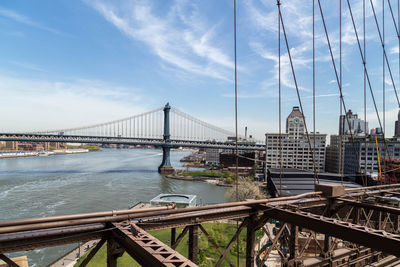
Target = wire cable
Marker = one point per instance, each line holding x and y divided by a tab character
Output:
339	84
236	129
316	180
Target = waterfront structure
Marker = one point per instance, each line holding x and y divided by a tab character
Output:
293	145
212	155
362	156
12	145
357	126
246	159
397	126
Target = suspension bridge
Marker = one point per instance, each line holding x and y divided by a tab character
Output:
165	127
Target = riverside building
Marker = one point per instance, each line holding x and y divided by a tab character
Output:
363	156
294	146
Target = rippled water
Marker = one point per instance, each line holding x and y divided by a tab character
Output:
97	181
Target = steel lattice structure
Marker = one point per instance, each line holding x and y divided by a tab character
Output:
341	226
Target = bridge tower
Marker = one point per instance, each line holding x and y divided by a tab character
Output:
166	167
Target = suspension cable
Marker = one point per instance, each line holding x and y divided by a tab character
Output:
316	179
382	39
366	72
339	84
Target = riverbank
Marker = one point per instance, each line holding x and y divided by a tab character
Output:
219	180
22	154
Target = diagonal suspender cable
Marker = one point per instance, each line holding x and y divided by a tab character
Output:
382	39
365	95
383	68
316	179
366	71
339	84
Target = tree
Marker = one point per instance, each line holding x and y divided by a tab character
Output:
247	189
253	171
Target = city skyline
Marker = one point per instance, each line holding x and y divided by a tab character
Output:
69	64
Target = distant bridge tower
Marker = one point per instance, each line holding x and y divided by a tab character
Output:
166	167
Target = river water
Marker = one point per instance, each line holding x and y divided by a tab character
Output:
97	181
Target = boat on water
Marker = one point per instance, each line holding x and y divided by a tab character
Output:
43	154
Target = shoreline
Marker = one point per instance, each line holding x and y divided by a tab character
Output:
207	179
24	154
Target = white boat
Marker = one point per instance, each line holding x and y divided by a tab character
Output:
43	153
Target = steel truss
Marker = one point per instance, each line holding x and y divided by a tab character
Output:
358	226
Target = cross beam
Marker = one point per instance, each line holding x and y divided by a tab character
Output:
375	239
146	249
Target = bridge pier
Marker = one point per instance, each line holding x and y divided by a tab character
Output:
166	167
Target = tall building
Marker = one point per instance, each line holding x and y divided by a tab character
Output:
212	155
294	146
357	126
397	126
335	151
364	156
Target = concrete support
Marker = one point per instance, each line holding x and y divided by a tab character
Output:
193	242
165	167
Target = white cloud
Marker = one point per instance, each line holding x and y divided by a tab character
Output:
31	104
177	39
8	13
394	50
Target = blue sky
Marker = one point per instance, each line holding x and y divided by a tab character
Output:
70	63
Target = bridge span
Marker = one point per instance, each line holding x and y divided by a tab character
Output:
178	130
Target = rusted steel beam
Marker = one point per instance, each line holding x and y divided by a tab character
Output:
81	216
146	249
9	261
212	241
293	242
273	245
50	232
92	253
48	241
115	216
377	207
376	239
193	218
250	238
230	244
180	237
193	247
114	251
173	236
